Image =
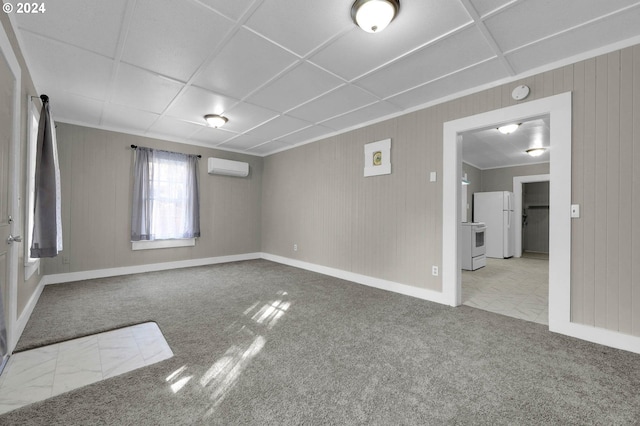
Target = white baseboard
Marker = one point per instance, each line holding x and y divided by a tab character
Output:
26	313
407	290
598	335
126	270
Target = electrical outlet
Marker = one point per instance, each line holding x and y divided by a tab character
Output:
295	247
434	271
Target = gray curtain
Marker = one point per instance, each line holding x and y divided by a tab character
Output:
166	201
47	225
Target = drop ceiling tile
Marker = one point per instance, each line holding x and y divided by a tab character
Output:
244	64
269	148
484	7
601	33
418	23
307	134
529	21
241	142
144	90
301	26
71	108
173	38
231	9
54	64
300	84
175	128
362	115
277	127
245	116
212	136
467	79
447	56
87	17
127	119
195	103
339	101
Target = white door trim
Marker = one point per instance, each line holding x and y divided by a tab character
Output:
517	195
558	108
16	229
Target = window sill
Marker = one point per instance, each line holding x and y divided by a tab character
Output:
160	244
30	268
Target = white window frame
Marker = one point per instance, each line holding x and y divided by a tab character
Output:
31	265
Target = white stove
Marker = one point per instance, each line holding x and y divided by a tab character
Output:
471	241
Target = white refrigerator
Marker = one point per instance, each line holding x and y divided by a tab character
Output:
496	210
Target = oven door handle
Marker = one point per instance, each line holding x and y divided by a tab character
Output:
479	228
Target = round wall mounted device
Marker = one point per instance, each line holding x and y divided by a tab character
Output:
520	92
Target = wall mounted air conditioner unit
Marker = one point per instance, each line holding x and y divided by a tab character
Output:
220	166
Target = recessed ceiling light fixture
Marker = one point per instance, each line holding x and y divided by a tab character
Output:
373	16
215	120
535	152
509	128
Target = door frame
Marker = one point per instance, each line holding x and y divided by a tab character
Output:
518	181
558	107
11	315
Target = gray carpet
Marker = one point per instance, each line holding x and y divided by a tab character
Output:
327	352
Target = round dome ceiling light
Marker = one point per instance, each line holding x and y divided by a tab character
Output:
508	129
373	16
535	152
215	120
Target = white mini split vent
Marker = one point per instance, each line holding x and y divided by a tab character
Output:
220	166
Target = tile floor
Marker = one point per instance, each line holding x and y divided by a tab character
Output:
41	373
516	287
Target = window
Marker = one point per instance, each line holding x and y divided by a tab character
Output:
33	119
165	199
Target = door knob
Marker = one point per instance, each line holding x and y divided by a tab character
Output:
11	239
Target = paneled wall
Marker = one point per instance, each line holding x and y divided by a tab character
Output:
390	226
96	172
502	179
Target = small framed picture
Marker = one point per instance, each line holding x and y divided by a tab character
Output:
377	158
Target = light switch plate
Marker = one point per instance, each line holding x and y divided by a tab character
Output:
433	177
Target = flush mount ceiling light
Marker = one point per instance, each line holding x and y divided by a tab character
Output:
535	152
509	128
373	16
215	120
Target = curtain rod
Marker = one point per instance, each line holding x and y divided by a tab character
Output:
136	147
43	98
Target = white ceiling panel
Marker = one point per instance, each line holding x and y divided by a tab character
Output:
358	52
127	118
306	134
484	7
195	103
174	128
236	74
302	83
144	90
67	107
467	79
156	67
600	33
88	16
447	56
488	148
301	26
339	101
269	147
58	65
277	127
246	116
212	136
231	9
241	142
362	115
173	38
529	21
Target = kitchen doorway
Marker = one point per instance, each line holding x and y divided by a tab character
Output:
558	108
